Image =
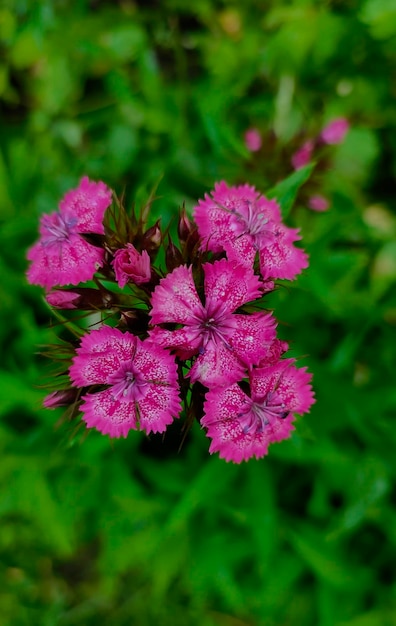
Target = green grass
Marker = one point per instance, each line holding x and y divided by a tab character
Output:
134	531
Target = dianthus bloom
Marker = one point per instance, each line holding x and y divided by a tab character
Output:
242	425
242	222
62	256
130	266
225	342
334	132
141	380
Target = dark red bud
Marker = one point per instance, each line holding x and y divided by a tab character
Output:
63	397
151	239
184	227
173	256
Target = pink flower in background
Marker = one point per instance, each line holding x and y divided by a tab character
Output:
242	426
62	256
225	343
334	132
142	390
318	203
303	156
242	222
130	266
253	140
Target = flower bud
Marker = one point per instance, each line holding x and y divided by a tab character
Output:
188	235
303	156
334	132
318	203
152	238
63	397
63	299
130	266
253	140
83	298
173	256
184	227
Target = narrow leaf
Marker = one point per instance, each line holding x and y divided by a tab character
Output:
286	191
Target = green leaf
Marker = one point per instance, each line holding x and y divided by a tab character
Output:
286	191
319	556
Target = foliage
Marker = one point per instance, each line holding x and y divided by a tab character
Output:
138	531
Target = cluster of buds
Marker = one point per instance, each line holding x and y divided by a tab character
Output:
175	327
305	149
315	148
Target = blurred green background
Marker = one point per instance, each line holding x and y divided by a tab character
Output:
94	532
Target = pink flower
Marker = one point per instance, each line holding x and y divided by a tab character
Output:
62	256
303	156
242	426
225	343
130	266
318	203
242	222
253	139
141	379
335	131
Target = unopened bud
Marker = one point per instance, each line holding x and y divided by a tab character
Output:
83	298
318	203
188	235
253	140
63	299
63	397
130	266
302	157
173	256
334	132
152	238
184	227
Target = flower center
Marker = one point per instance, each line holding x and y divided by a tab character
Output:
258	415
128	385
216	326
250	220
57	228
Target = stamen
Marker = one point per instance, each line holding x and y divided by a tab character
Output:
257	415
58	229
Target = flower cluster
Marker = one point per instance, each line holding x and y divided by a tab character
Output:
183	333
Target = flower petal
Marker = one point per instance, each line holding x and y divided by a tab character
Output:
229	286
69	262
108	415
217	366
100	354
213	222
280	258
291	384
159	407
242	250
223	408
154	363
253	336
184	341
87	203
175	299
